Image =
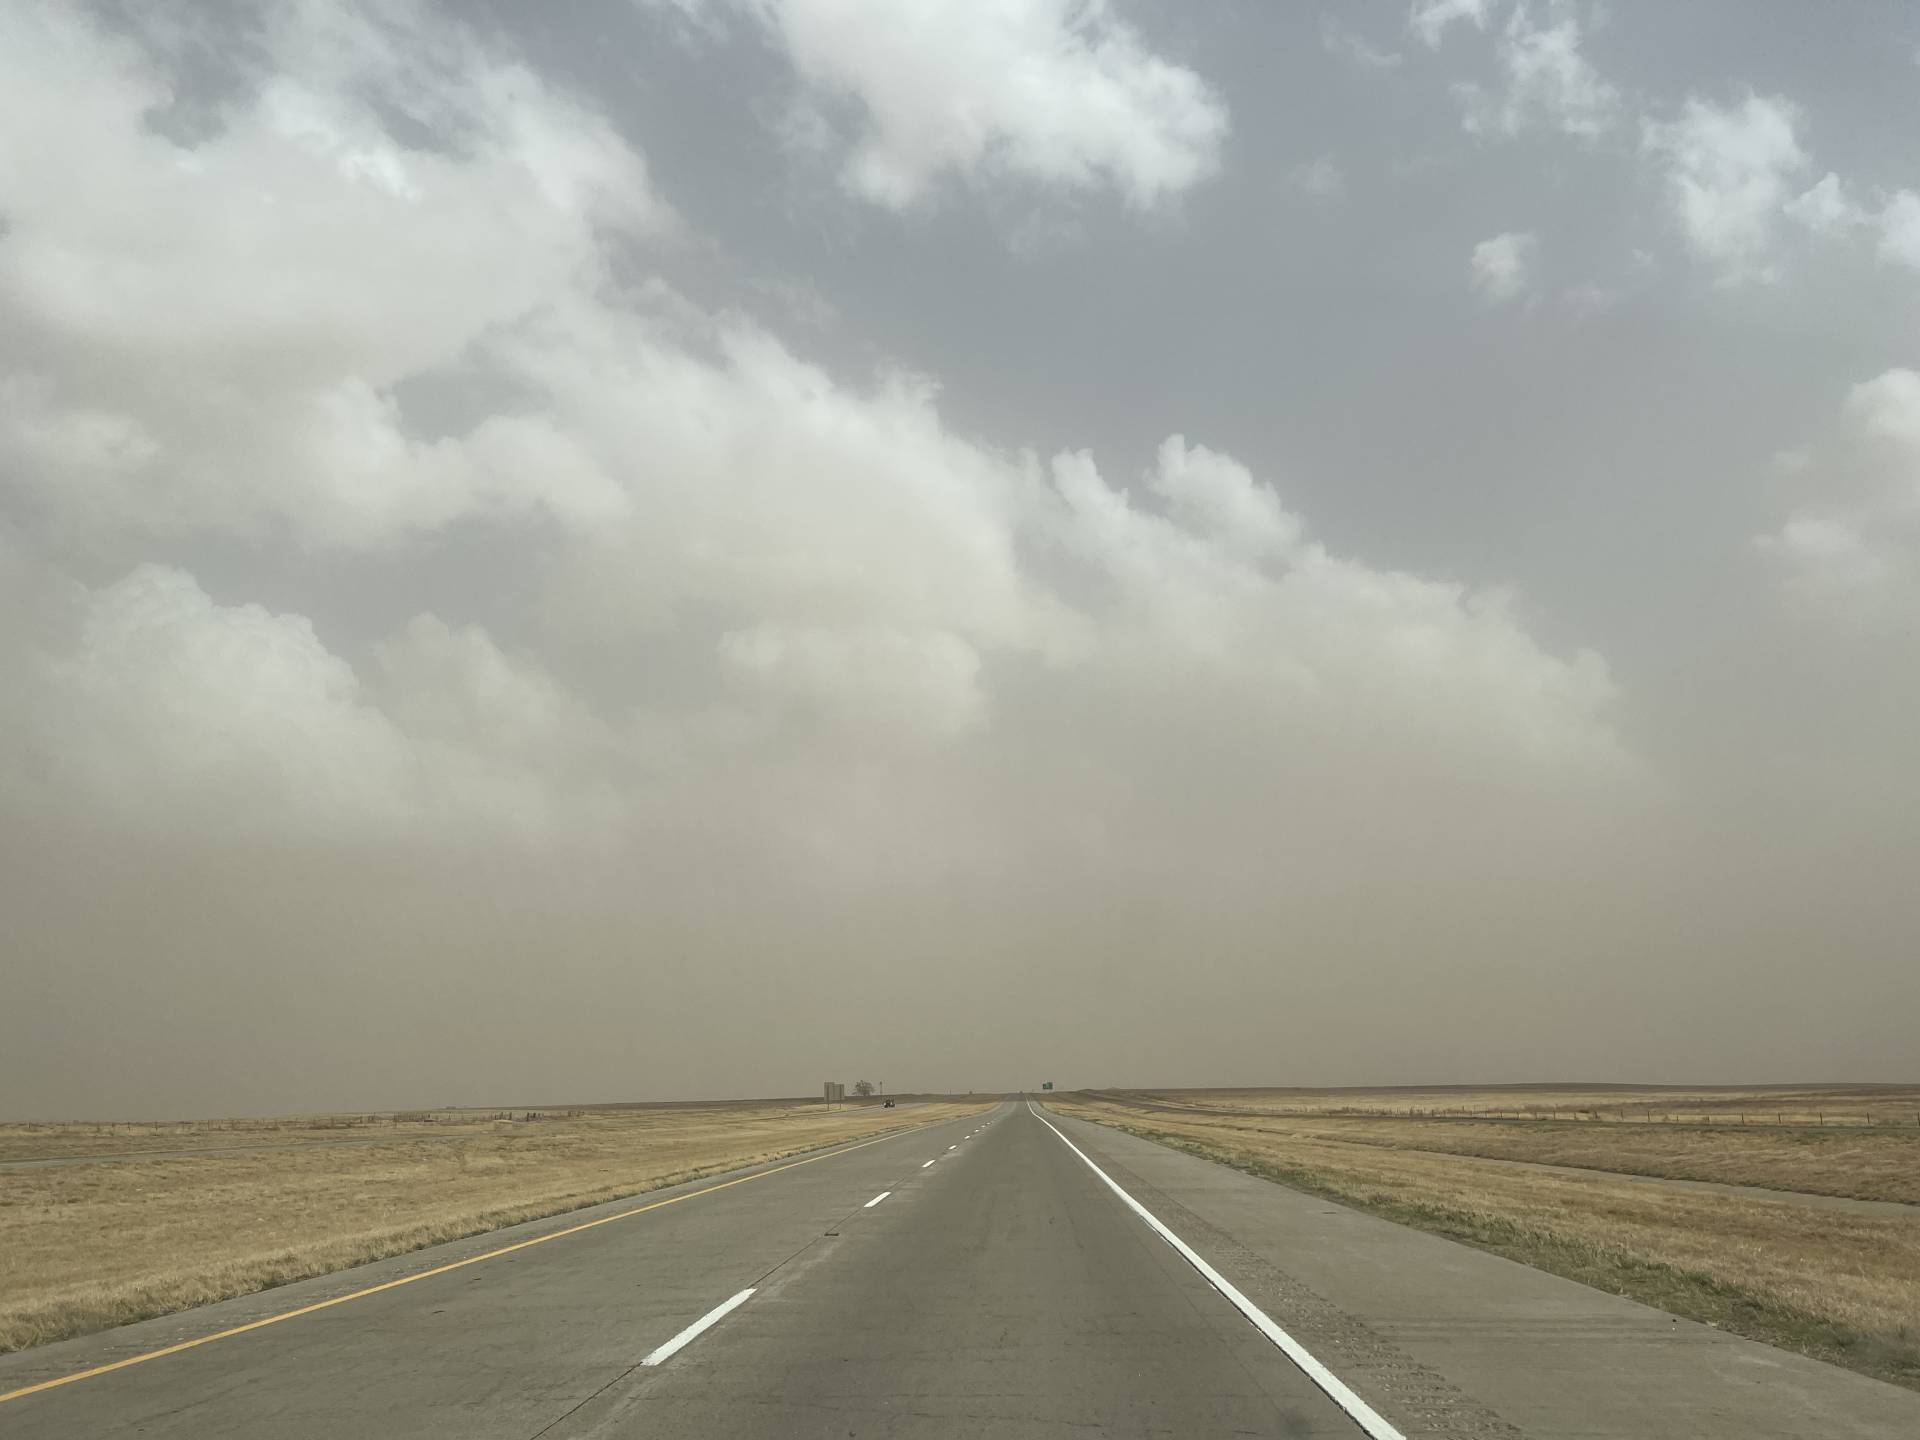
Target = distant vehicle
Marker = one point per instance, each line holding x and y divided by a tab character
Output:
888	1104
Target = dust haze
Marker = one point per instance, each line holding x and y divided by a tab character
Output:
627	554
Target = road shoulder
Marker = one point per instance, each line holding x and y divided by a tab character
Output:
1449	1340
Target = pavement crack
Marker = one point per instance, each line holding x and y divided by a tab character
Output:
584	1401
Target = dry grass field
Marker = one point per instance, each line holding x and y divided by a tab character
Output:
1793	1106
29	1140
85	1246
1839	1284
1847	1156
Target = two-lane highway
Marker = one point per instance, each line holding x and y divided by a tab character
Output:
973	1277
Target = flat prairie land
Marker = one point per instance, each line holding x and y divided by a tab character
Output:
1840	1284
1861	1152
29	1141
1753	1106
86	1246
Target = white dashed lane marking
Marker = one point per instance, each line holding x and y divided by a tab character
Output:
693	1332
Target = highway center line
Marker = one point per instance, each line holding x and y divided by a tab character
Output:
693	1331
60	1380
1336	1389
929	1162
881	1196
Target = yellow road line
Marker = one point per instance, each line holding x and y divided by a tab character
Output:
55	1384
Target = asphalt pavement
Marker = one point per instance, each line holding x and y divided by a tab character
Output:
1010	1274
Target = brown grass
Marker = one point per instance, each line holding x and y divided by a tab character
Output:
83	1247
1840	1285
29	1140
1646	1106
1858	1162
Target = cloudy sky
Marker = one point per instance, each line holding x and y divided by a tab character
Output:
653	548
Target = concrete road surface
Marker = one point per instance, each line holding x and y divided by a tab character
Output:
978	1277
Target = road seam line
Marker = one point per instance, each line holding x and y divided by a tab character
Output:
1337	1390
394	1284
693	1332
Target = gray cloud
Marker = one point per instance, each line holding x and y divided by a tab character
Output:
521	586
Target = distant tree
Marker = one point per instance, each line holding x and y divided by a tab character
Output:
863	1087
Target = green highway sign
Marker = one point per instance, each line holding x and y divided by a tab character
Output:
1046	1084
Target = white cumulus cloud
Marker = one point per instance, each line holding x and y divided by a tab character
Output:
1503	265
217	348
159	708
1899	225
726	591
1853	554
1730	171
1062	94
1826	209
1431	19
1547	82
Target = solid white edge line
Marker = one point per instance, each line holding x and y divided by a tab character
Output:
1336	1389
878	1198
693	1331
